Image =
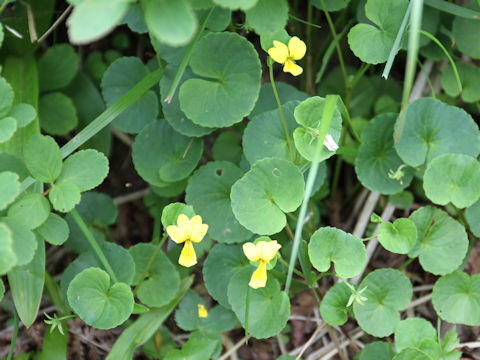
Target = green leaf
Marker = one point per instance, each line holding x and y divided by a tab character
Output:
92	19
269	306
98	303
227	148
54	345
412	354
31	210
333	307
222	262
267	16
469	77
9	188
119	78
57	67
464	32
456	298
161	155
135	18
2	287
86	168
171	21
162	280
6	97
452	178
57	113
24	243
442	241
331	5
346	251
472	213
236	4
378	350
8	126
309	114
377	157
43	158
198	347
263	195
409	333
387	291
265	136
171	211
372	44
399	237
8	259
208	191
228	83
64	196
429	132
54	230
1	41
23	113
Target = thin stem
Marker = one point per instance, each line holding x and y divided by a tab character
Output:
439	326
279	104
93	243
14	336
405	264
296	271
289	231
304	22
247	312
55	24
157	228
150	262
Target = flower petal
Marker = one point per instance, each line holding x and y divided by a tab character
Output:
259	276
187	256
184	225
292	68
279	52
296	48
202	311
175	234
195	221
199	232
267	250
250	251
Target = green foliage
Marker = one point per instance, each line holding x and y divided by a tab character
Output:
399	237
333	307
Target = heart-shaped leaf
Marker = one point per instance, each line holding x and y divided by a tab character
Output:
267	16
399	237
470	79
409	333
333	307
465	33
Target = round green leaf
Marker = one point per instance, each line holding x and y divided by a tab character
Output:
227	147
228	83
43	158
8	126
456	298
472	213
8	258
171	21
161	155
265	136
171	109
64	196
123	74
6	97
399	237
346	251
31	210
267	16
92	19
86	169
372	43
236	4
387	291
24	242
411	332
269	306
333	307
263	195
453	178
171	190
377	157
222	262
429	132
23	113
469	78
208	191
378	350
57	113
57	67
55	230
266	99
162	280
9	188
96	302
309	114
465	33
171	211
442	241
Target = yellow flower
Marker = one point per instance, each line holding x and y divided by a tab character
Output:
202	311
187	231
286	55
263	251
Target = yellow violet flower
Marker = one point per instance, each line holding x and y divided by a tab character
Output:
286	55
202	311
187	231
263	251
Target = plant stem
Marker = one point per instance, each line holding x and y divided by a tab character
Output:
405	264
282	115
14	336
93	243
296	271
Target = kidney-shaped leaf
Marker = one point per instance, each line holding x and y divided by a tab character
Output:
399	237
470	79
410	333
98	303
260	198
333	307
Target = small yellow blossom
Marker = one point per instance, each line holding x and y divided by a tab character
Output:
187	231
286	55
263	251
202	311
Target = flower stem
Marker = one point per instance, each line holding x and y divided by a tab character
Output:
282	115
14	336
296	271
